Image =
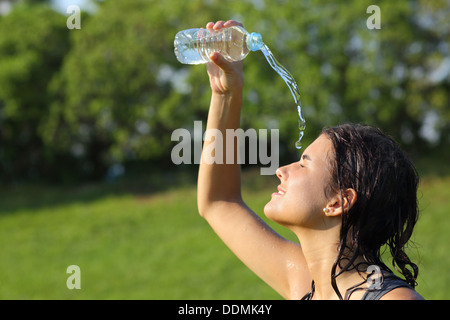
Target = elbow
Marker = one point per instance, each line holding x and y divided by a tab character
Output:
202	210
204	206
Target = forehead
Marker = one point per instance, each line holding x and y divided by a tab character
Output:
320	148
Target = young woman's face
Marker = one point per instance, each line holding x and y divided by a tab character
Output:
300	198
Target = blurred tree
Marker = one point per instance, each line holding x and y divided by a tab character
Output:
393	78
121	92
33	42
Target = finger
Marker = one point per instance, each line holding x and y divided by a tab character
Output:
209	25
218	25
231	23
220	61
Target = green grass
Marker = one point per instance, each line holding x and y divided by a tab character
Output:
142	243
432	238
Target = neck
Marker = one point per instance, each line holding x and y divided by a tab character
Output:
320	248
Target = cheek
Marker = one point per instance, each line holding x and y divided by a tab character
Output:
302	208
291	211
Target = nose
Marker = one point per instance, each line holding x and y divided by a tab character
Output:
282	173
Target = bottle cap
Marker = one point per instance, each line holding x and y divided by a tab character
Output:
254	41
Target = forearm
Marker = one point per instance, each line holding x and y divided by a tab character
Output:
220	181
225	111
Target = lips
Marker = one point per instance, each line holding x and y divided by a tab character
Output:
281	190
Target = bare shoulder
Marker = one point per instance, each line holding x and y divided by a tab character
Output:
402	293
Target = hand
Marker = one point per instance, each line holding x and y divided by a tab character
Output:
224	77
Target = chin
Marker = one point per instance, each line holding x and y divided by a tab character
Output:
285	218
271	212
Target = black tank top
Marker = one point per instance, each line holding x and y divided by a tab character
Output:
389	283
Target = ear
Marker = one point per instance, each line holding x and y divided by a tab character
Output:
348	199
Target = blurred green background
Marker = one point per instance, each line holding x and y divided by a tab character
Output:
86	118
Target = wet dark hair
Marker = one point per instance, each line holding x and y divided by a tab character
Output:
386	208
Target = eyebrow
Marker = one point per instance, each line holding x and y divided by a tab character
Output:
306	157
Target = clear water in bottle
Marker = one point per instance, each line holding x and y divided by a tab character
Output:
193	46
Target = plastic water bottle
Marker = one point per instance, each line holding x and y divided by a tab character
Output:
193	46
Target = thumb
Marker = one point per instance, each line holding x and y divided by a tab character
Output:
220	61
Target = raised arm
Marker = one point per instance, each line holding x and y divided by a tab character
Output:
279	262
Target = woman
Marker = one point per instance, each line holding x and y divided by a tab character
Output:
352	192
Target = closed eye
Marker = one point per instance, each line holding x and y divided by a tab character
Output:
304	157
